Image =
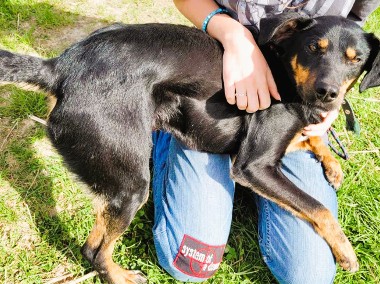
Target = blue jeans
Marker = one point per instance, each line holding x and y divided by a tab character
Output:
193	197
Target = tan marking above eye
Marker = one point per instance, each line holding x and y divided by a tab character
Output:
351	54
301	73
323	43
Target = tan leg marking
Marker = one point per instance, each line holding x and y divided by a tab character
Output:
327	227
102	239
331	165
99	229
116	274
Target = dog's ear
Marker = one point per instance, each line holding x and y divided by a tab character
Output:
372	78
280	27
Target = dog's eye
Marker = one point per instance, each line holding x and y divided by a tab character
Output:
355	60
313	47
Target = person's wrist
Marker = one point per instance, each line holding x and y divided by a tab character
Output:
236	35
227	30
239	42
220	10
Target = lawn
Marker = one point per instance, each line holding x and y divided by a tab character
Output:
45	215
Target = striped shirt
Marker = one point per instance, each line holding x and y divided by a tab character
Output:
250	12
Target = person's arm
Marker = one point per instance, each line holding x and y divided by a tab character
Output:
362	9
248	81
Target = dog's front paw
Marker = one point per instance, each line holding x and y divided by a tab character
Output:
348	264
333	172
346	257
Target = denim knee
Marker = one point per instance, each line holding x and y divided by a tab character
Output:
305	258
291	248
166	258
193	199
319	270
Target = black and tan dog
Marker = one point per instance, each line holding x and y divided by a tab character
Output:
116	86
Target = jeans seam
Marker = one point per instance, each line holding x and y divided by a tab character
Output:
267	241
163	200
159	232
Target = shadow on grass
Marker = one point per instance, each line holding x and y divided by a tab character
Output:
21	25
30	177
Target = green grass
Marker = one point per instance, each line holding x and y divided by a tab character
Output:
23	21
23	103
45	215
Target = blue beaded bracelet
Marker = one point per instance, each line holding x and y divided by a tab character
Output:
212	14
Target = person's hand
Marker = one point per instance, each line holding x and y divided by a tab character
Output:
248	81
321	128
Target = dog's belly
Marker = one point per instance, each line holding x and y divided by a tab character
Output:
210	125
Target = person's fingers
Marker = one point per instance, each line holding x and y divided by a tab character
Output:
314	132
248	81
241	96
329	117
321	128
316	129
229	88
253	101
264	97
252	98
228	80
272	85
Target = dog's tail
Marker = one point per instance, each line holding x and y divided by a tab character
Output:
18	68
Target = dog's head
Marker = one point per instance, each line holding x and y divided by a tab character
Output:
323	56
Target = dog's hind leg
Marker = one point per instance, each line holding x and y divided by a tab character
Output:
113	217
108	146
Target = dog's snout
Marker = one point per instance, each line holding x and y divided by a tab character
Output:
326	92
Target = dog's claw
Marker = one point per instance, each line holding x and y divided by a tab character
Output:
140	278
117	275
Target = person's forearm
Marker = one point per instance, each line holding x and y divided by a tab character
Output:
221	26
196	10
247	79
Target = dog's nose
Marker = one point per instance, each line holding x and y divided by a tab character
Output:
326	92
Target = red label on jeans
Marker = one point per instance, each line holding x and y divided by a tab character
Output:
198	259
